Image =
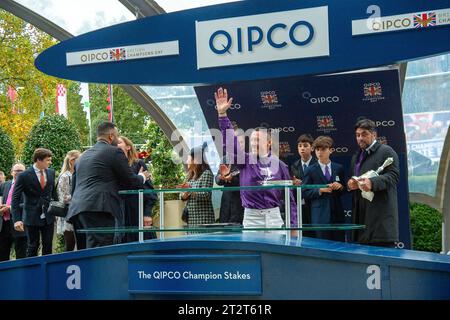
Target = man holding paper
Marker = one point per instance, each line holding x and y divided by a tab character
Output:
374	194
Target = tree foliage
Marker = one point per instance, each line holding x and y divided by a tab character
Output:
20	43
129	116
166	168
55	133
35	92
6	152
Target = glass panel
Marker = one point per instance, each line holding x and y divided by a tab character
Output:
212	228
426	107
80	16
171	5
308	186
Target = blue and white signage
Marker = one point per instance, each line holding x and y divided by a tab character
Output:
195	274
266	37
254	40
148	50
412	20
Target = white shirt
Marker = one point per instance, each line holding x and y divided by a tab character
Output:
307	162
38	173
374	141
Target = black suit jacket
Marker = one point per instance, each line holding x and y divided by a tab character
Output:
297	168
4	192
327	206
35	199
297	171
381	215
99	174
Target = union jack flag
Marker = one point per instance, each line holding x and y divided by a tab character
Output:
423	20
325	122
372	90
285	147
117	54
269	98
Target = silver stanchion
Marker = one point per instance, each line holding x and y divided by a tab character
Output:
299	216
161	215
287	210
141	215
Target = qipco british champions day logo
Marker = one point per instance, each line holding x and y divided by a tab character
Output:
262	38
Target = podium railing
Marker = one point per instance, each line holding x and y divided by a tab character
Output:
210	228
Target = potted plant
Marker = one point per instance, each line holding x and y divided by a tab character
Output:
167	172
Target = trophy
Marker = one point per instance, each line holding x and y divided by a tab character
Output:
370	174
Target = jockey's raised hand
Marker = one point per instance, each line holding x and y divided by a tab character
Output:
222	102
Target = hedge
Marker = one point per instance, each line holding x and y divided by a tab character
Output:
53	132
426	228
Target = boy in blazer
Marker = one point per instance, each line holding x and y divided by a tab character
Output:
37	186
326	204
305	150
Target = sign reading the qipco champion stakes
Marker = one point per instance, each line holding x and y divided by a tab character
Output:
250	40
195	274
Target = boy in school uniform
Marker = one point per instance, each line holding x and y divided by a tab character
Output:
297	171
326	204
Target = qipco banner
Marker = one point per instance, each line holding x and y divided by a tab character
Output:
322	105
254	39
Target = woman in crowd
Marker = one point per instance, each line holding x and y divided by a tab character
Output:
64	191
131	204
199	175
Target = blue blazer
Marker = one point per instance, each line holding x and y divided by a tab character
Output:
35	200
327	207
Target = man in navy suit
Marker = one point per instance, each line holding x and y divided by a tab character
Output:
326	205
9	236
305	149
37	186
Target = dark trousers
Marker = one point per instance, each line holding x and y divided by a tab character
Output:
34	233
7	239
80	238
89	220
69	240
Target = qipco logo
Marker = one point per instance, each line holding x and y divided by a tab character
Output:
340	149
385	123
299	34
320	100
212	103
283	129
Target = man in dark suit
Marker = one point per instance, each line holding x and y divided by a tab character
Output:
305	149
9	236
380	216
326	204
99	174
37	186
2	180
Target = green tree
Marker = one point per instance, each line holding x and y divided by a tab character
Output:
55	133
129	116
166	167
75	111
20	43
7	152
